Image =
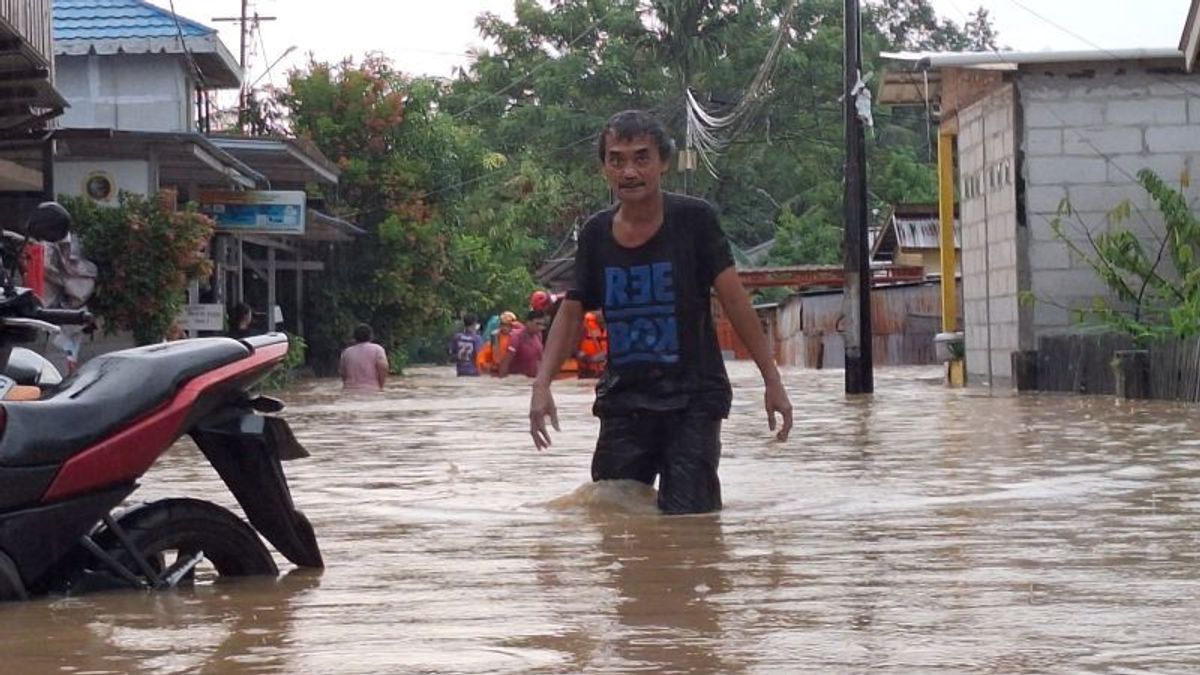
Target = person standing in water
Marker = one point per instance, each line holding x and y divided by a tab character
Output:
524	351
465	347
651	262
240	318
363	365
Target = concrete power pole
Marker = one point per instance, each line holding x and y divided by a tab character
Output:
857	288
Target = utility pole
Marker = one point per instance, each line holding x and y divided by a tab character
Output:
246	23
857	288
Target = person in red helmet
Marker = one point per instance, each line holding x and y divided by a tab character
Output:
540	301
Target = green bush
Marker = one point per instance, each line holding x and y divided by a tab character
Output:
286	372
145	254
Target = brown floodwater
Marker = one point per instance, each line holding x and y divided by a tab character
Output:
922	530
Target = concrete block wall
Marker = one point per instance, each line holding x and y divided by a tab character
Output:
1087	131
990	240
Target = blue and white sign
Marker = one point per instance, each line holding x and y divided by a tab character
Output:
256	211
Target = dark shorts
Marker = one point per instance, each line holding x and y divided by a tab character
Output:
682	448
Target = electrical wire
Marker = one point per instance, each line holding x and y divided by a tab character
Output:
593	136
1067	127
183	45
531	72
507	167
708	133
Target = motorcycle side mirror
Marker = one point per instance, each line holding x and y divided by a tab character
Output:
48	222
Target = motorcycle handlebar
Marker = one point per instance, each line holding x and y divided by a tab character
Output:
63	317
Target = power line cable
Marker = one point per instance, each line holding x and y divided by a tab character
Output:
704	128
549	60
265	57
1109	161
507	167
593	136
183	45
1088	42
1000	58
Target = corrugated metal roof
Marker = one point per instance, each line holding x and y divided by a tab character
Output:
920	232
911	227
119	19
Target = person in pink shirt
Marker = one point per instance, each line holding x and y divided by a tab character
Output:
525	347
364	365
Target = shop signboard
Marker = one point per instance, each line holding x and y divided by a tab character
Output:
255	211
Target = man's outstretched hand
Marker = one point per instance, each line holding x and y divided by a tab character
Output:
775	400
541	406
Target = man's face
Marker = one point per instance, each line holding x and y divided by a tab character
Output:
633	167
538	325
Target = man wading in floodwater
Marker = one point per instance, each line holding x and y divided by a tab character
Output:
650	263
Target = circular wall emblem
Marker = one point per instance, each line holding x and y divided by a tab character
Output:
100	186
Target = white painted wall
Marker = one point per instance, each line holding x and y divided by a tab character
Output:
990	260
129	175
1087	132
134	92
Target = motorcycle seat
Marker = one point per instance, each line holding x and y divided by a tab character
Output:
105	394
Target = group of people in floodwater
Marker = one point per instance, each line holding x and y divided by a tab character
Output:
638	316
508	346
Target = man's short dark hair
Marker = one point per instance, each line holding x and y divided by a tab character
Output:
238	312
470	319
536	314
362	333
629	124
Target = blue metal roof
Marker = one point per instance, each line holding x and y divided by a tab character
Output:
119	19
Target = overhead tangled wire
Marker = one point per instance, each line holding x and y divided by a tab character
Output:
708	133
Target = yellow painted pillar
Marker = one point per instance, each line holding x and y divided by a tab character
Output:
955	370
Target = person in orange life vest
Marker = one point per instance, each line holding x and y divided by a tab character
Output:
496	347
592	354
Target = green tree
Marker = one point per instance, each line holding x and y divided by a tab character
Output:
913	25
981	34
466	186
397	154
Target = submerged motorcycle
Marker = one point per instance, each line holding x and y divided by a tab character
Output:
71	455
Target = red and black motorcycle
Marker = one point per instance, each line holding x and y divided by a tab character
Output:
71	457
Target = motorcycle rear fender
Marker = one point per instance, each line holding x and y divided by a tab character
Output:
246	448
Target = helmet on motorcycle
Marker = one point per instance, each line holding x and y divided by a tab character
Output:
540	301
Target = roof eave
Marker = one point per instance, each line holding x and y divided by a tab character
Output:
1189	42
1014	60
216	63
322	170
203	149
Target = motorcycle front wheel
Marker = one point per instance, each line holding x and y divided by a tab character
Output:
191	540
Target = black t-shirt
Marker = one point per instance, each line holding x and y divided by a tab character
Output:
662	347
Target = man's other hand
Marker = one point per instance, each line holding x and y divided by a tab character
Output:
541	406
